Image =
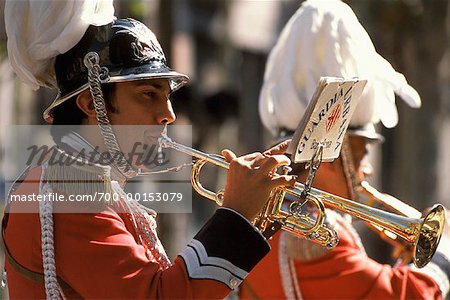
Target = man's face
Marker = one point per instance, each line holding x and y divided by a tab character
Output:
142	102
141	105
360	150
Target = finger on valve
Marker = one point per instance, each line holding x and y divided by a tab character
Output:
272	162
248	184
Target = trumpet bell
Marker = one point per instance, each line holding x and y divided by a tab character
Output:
429	237
419	238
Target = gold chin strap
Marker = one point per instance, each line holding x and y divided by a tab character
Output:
349	168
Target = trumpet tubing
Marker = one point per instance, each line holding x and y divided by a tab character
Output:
423	233
387	201
272	215
383	201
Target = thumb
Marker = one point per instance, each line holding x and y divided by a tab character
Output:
281	148
229	155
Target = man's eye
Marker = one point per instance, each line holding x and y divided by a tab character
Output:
150	94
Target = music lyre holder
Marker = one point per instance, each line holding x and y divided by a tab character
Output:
313	165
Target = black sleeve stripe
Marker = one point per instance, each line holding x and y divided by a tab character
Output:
229	236
204	260
225	249
222	270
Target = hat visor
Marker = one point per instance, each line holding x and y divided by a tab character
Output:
372	137
176	81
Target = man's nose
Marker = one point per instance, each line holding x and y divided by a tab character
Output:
165	115
367	169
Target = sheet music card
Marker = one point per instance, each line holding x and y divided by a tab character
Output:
326	119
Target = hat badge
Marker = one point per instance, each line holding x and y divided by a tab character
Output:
145	46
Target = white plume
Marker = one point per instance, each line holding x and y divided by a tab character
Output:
39	30
325	38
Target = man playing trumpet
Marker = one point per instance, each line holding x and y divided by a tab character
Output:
111	71
324	38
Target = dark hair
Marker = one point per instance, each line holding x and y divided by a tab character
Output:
68	113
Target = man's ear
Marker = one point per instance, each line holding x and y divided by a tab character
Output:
85	103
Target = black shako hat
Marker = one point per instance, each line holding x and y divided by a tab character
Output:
128	50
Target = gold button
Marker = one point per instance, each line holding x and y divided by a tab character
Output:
233	283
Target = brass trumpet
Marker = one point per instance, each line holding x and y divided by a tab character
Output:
424	233
402	247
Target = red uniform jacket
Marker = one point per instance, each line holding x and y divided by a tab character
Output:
343	273
97	255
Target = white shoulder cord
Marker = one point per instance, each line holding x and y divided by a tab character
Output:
144	222
52	288
289	279
347	222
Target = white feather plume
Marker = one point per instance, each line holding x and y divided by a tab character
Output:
325	38
40	30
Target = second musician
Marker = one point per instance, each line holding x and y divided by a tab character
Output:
326	39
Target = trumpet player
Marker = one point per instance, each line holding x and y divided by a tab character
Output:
111	71
324	38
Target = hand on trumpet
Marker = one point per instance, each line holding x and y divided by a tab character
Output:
252	177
